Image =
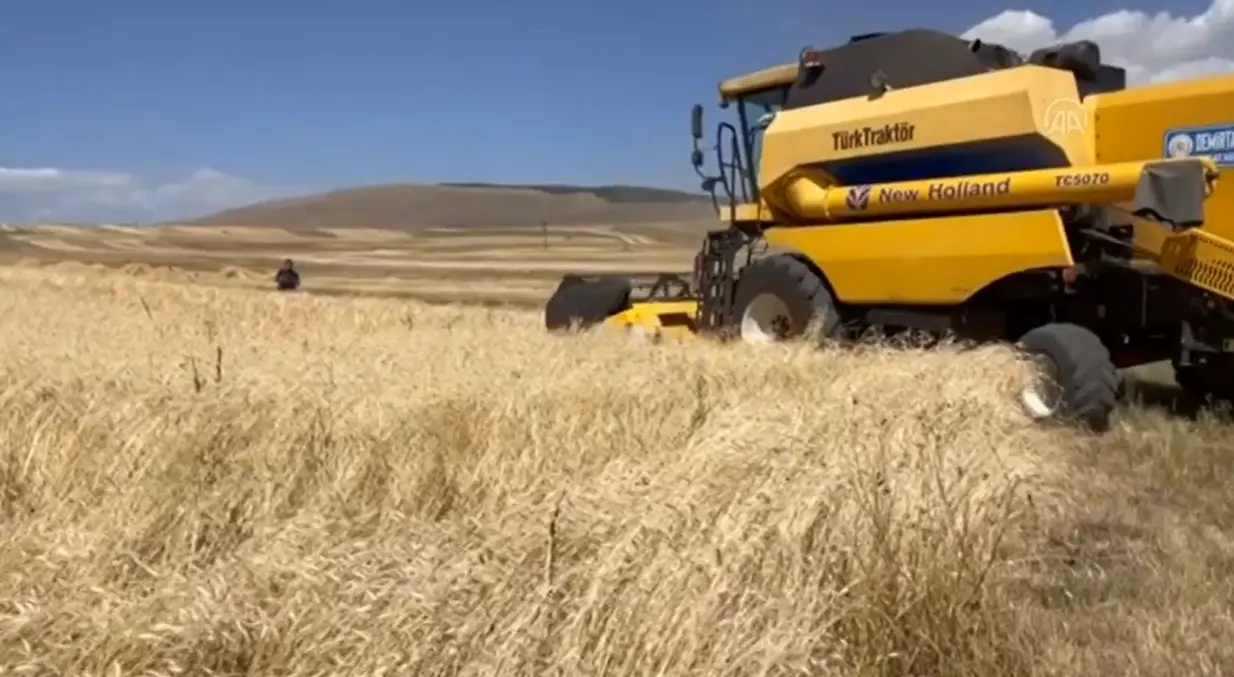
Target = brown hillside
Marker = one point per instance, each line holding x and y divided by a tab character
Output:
418	206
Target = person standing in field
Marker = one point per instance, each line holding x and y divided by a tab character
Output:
287	279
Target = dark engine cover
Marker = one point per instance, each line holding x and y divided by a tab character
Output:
921	56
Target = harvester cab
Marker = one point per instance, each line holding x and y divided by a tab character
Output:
919	181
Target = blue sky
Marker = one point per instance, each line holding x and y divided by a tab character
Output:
194	105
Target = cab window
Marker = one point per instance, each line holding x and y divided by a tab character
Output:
756	110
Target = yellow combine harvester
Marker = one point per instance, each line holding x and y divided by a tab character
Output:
918	181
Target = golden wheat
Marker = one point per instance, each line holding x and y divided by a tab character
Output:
213	481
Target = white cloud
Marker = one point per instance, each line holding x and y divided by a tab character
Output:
1152	46
99	196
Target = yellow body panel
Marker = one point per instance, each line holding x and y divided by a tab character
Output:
1131	125
945	259
993	106
659	318
941	260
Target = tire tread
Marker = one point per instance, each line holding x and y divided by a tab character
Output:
1090	380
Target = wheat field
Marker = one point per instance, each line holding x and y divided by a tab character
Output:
211	481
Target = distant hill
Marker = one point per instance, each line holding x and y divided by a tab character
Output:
471	204
614	194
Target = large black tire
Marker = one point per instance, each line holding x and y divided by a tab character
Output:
579	303
797	295
1086	381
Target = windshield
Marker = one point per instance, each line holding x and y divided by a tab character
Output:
757	110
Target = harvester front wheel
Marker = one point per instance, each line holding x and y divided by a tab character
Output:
778	298
1077	381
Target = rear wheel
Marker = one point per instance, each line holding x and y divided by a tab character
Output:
1076	382
779	298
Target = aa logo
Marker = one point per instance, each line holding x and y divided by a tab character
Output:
1064	117
858	198
1179	144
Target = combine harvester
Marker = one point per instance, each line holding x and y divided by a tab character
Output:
916	181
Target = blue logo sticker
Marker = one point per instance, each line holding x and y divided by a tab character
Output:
858	197
1216	141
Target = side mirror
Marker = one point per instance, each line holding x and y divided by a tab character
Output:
696	158
696	122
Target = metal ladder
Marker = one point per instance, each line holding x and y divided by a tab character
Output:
716	276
